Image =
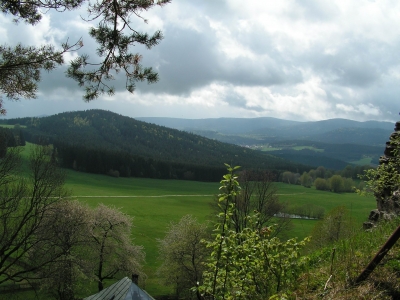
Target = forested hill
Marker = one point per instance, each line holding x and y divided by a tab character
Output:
104	142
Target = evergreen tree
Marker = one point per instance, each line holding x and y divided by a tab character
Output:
21	138
21	66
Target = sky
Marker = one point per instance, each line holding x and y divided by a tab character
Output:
304	60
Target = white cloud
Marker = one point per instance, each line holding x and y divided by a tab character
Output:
303	60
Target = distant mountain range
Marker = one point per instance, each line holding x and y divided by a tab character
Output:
333	143
287	145
335	131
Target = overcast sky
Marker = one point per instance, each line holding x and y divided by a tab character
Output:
299	60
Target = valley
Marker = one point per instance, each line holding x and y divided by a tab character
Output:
335	142
157	175
155	203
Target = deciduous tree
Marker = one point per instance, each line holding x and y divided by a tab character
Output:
289	177
321	172
335	225
336	183
23	206
112	251
306	180
321	184
258	193
82	244
183	255
62	249
249	264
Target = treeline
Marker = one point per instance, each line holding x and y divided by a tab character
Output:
328	180
118	163
10	137
103	142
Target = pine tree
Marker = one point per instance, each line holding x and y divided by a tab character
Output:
21	66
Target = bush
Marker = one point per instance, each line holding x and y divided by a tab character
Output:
321	184
335	226
306	180
248	264
183	255
336	183
348	185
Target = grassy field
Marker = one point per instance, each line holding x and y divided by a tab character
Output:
298	148
295	195
11	126
267	148
155	203
363	161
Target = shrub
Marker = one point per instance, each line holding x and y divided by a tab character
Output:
336	183
348	185
248	264
322	184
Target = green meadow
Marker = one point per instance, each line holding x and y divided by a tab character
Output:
363	161
155	203
298	148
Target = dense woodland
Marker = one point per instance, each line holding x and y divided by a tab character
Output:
10	138
103	142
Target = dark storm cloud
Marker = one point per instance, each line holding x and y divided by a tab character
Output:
186	60
189	59
242	71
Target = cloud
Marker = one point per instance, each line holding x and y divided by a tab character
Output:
301	60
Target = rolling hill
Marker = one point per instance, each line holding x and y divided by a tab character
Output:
100	141
205	142
339	141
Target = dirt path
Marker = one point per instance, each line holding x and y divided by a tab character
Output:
136	196
294	194
162	196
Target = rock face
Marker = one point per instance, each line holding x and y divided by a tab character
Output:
388	200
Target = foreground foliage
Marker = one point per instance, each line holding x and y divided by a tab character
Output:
183	255
248	264
333	268
51	242
24	204
384	180
21	66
